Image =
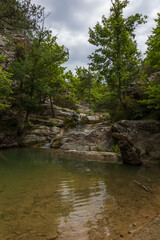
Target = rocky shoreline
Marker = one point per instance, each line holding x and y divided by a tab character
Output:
85	135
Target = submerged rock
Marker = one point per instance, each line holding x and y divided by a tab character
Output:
109	157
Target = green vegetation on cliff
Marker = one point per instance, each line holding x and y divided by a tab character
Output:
117	80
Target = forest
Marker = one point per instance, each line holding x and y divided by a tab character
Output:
118	80
79	149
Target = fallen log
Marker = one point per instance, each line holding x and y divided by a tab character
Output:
143	186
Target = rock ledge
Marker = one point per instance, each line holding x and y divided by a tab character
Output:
109	157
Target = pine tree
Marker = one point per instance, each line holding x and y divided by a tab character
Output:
19	15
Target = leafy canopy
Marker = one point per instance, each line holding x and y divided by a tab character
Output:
116	55
38	73
153	47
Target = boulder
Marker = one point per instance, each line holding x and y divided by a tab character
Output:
138	140
129	153
93	118
97	137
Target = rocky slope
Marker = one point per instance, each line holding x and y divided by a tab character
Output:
90	136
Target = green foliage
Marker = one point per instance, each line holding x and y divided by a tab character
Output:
129	108
99	149
51	123
116	149
152	100
70	122
87	86
20	51
38	74
153	47
19	15
66	101
30	124
152	61
116	55
85	81
5	87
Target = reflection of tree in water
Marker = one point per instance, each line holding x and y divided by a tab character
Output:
41	193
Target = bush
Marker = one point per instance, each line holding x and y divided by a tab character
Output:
69	122
66	101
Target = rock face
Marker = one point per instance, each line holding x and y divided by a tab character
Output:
40	135
7	48
139	141
97	137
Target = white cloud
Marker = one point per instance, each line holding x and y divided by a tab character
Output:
71	19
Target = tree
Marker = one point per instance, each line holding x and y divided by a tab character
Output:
152	62
19	15
85	83
153	47
116	55
35	74
5	87
152	100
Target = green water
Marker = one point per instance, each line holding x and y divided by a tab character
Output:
44	197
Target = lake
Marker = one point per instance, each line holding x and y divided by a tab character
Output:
44	197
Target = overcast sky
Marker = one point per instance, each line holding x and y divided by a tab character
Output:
71	19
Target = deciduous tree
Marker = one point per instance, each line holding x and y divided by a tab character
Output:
116	55
37	74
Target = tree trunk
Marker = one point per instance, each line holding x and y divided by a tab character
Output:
52	108
89	97
119	89
25	123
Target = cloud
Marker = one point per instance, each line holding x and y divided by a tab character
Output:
71	19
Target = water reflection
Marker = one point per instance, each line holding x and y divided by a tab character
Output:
43	197
87	199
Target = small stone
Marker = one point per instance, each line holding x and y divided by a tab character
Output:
134	225
52	237
33	232
121	236
129	232
59	231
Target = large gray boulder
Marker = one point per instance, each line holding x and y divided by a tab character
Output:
139	141
97	137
